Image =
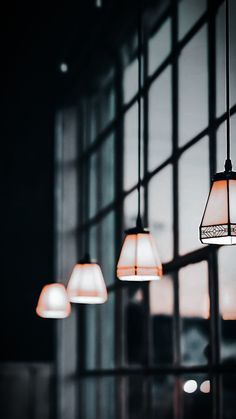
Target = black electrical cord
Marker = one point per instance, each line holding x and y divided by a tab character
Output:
139	223
228	164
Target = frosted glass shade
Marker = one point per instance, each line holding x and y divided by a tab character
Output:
139	260
86	284
53	302
218	224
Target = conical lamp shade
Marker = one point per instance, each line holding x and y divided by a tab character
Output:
139	260
218	224
53	302
86	284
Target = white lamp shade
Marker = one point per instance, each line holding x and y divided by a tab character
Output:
139	260
87	285
53	302
219	220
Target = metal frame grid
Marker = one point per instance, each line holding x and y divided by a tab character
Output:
214	368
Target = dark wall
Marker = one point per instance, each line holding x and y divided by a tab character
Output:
34	39
27	129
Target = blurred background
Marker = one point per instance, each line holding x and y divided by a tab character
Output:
69	133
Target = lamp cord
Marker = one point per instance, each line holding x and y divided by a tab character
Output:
228	164
62	180
139	110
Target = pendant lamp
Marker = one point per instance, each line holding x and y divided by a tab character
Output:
139	260
53	302
86	284
218	224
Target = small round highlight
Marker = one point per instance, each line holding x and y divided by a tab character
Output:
190	386
63	68
205	387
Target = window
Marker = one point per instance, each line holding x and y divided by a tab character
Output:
160	120
159	46
161	212
173	324
193	162
193	81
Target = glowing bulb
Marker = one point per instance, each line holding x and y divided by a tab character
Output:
190	386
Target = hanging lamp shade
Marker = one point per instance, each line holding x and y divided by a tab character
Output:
218	224
53	302
86	284
139	260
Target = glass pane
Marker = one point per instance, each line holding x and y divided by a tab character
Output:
193	192
227	297
137	398
220	57
107	332
90	336
193	87
69	135
189	12
87	398
229	399
221	145
107	164
162	397
93	242
84	184
134	325
160	120
161	311
66	219
83	140
93	119
131	148
67	255
96	398
194	312
107	244
130	87
148	397
160	212
159	46
66	396
131	209
93	179
108	107
69	194
196	396
106	398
